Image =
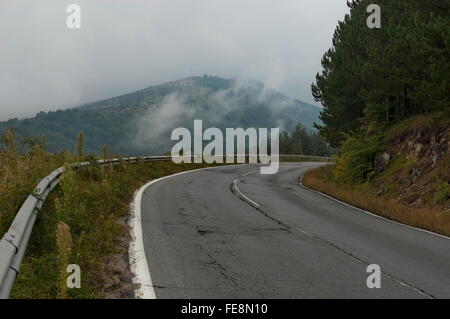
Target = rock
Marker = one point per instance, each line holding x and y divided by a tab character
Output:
381	161
111	281
117	264
415	172
437	152
127	291
123	222
418	150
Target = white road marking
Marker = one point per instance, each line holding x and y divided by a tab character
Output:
304	232
241	193
367	212
137	258
136	252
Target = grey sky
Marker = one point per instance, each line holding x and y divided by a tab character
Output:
125	45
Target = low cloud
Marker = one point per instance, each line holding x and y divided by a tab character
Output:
154	126
236	105
124	46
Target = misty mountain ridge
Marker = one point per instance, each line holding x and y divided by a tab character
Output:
141	122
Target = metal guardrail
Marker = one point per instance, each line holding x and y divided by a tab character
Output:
14	243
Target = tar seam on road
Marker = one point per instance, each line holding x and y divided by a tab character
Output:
137	257
421	291
143	278
242	194
235	191
315	237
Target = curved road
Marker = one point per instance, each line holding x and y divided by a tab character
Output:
229	232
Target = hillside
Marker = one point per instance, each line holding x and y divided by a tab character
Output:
141	122
387	109
410	180
414	166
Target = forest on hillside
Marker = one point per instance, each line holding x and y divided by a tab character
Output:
386	108
302	142
140	123
374	78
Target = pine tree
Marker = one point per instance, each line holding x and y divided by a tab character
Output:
381	76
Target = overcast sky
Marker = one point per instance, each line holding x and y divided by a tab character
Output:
126	45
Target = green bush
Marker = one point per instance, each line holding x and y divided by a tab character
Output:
356	164
442	193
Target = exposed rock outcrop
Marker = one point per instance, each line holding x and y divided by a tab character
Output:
415	166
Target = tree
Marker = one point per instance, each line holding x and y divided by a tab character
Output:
300	142
381	76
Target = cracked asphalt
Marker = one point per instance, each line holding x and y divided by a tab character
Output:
203	240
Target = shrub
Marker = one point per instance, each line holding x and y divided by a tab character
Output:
356	164
442	193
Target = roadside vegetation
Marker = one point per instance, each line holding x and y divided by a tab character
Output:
116	121
386	109
83	221
302	142
409	187
363	196
375	78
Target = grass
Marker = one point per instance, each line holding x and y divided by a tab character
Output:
428	218
82	219
89	202
79	223
19	176
442	193
418	122
288	158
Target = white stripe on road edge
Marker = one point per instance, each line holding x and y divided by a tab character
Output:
138	259
251	202
367	212
136	253
242	194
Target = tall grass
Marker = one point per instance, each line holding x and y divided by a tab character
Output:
20	173
64	250
82	220
429	218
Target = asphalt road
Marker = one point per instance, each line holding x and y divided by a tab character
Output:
271	238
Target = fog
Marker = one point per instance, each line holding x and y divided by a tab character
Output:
151	131
126	45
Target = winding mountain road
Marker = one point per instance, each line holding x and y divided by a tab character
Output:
229	232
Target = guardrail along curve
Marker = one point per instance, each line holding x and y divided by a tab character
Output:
14	243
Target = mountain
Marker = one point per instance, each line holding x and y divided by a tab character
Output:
141	122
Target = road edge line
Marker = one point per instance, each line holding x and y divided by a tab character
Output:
136	252
241	194
367	212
